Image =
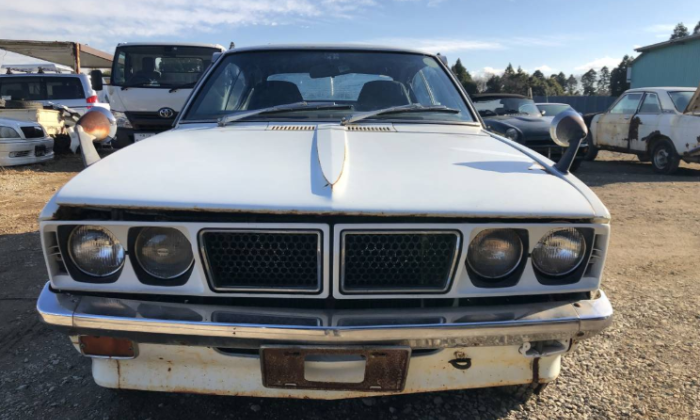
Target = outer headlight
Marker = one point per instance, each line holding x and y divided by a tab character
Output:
495	253
95	251
122	120
512	133
164	253
8	133
560	252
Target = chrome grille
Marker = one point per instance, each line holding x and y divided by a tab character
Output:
398	261
263	260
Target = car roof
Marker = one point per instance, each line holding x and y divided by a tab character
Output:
44	75
171	44
663	89
341	47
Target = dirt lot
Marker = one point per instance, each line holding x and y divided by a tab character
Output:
646	366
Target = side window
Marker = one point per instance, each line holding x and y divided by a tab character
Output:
627	105
21	88
650	104
64	88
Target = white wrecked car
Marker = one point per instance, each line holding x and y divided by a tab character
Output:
660	125
326	222
23	143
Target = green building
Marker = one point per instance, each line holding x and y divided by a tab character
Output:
670	63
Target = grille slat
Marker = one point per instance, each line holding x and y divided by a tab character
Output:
263	260
398	261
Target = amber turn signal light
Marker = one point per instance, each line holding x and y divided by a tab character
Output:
107	347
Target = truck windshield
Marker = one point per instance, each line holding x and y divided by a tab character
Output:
159	66
361	80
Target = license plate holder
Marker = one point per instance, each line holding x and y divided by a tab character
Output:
385	369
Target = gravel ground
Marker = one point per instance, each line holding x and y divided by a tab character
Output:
647	365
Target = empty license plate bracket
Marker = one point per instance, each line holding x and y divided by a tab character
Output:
385	367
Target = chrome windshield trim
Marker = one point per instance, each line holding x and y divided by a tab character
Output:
464	326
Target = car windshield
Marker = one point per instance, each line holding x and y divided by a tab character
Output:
681	99
362	80
159	66
506	106
552	109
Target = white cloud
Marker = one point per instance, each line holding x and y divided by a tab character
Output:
599	63
546	69
439	45
660	28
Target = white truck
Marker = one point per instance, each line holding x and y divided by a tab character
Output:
659	124
150	83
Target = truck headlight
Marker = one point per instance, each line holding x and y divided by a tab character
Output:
164	253
512	133
8	133
495	253
122	120
95	251
559	252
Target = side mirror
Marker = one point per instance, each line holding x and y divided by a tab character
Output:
543	112
96	80
568	130
97	125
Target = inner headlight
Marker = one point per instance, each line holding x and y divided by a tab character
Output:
95	251
122	120
8	133
164	253
559	252
512	133
495	253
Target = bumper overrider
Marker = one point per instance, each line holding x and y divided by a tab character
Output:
214	349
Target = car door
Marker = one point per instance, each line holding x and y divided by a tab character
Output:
613	126
646	123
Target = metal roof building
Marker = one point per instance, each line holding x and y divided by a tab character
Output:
671	63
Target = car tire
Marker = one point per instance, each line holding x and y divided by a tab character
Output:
592	152
23	105
644	157
664	158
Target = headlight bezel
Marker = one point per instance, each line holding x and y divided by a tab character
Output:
65	233
144	276
513	276
575	275
512	134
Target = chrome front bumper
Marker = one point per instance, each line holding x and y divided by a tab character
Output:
229	326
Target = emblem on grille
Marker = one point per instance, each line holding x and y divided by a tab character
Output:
166	112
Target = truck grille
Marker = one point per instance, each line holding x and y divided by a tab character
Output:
263	260
150	121
398	261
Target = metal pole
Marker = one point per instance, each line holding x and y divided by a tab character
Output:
76	51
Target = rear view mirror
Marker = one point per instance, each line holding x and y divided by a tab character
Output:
568	130
96	80
97	125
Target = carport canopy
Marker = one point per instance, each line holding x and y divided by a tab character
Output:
72	54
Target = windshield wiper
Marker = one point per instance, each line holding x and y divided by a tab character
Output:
296	106
182	86
398	109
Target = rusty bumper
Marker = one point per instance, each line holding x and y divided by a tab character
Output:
251	327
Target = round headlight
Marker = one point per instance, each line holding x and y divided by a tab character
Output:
495	253
560	252
164	253
512	133
95	251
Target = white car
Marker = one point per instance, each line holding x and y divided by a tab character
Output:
71	90
661	125
23	142
326	222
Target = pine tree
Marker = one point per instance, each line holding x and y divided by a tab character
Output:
696	31
588	81
618	77
571	85
465	79
680	31
561	79
604	81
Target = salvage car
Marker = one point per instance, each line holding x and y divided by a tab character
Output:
326	222
519	119
23	143
660	125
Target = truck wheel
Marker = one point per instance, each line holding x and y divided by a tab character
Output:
592	152
23	105
664	158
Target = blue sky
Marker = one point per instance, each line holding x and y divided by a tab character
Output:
551	35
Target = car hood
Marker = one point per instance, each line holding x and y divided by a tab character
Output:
528	126
390	170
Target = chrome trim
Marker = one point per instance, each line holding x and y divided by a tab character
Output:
448	283
515	324
319	259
